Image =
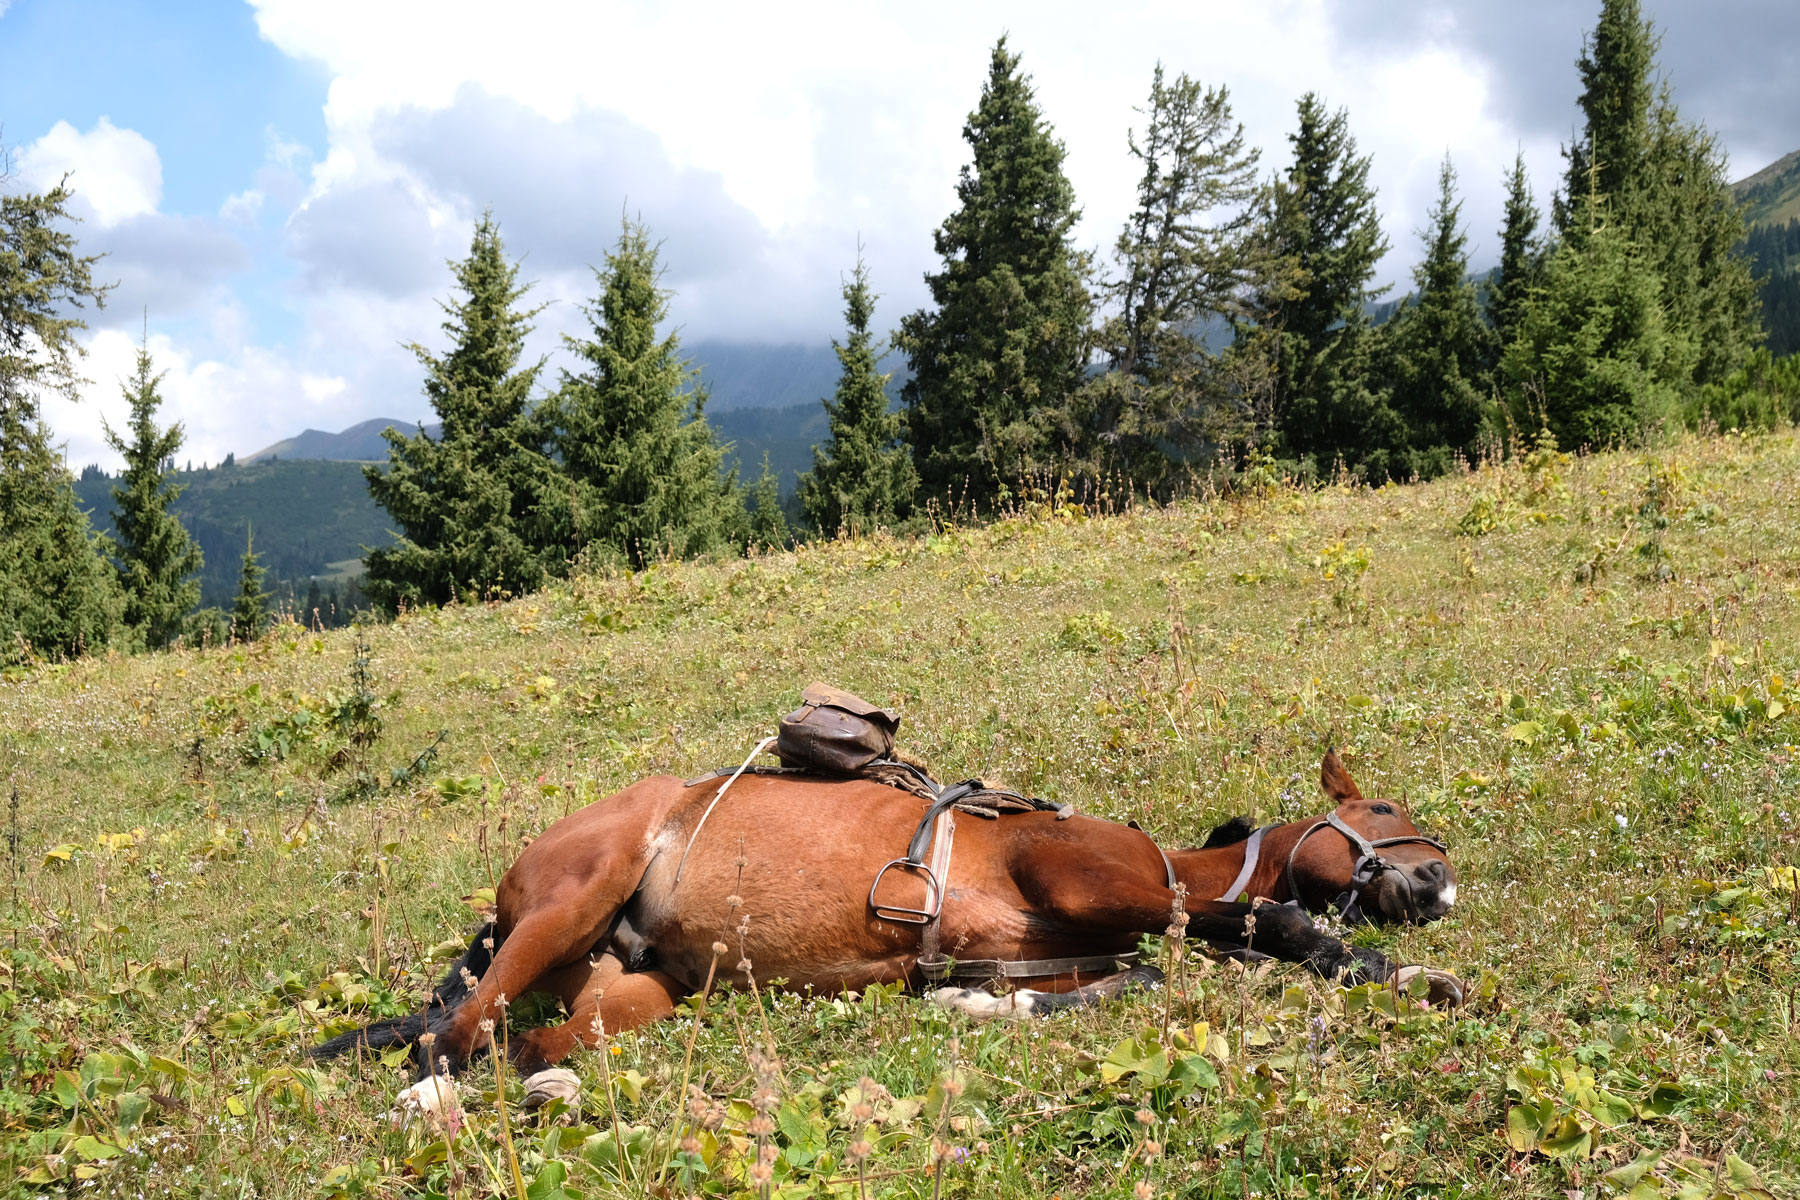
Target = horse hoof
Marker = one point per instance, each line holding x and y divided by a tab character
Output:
433	1097
1443	990
1014	1006
552	1083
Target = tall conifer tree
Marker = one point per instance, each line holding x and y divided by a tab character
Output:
630	428
998	361
156	558
463	500
1188	257
862	476
1441	350
1663	184
1616	96
766	527
1588	357
250	608
1325	223
58	594
1510	289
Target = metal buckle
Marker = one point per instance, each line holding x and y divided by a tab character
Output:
934	895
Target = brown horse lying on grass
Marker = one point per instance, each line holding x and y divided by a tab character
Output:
602	911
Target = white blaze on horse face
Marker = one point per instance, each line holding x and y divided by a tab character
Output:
1448	895
1015	1006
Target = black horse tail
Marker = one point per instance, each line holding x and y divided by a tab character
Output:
406	1031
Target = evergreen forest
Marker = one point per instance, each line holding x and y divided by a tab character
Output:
1232	330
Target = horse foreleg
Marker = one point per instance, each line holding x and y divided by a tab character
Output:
1079	889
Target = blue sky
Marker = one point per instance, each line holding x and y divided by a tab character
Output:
279	183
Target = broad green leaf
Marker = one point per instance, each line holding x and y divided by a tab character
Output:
1524	1126
1628	1175
1193	1071
1527	732
549	1183
1142	1055
1744	1179
94	1149
1565	1137
132	1106
1663	1099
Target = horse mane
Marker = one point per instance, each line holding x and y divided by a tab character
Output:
1230	833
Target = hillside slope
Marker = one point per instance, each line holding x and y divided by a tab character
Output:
1772	195
1614	761
306	515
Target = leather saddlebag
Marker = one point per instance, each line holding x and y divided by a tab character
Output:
834	732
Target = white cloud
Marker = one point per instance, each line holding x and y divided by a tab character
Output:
115	173
242	208
229	399
762	143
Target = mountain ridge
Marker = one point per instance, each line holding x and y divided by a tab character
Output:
1771	196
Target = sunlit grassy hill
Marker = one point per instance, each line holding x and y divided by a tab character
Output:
1772	195
1579	672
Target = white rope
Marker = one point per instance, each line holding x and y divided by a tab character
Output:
717	796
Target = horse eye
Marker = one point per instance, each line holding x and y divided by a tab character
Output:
1383	809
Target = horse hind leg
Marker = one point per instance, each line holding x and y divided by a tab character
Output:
1027	1002
602	999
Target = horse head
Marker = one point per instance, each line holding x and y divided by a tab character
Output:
1368	859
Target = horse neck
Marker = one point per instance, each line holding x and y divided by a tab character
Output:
1207	873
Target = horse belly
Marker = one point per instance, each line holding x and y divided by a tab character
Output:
791	917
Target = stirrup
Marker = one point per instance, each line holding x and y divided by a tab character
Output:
934	895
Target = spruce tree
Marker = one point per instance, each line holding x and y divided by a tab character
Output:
250	610
630	428
58	594
766	527
1664	187
862	476
1188	256
1509	291
998	362
1325	223
464	500
1588	359
1616	95
156	559
315	604
1441	351
1692	227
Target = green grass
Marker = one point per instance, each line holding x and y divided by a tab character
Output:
1586	692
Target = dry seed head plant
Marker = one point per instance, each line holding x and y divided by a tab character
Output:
1605	734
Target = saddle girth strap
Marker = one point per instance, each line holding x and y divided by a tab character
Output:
942	970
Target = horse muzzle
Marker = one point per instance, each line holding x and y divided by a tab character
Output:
1415	893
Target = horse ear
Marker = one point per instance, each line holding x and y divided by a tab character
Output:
1336	780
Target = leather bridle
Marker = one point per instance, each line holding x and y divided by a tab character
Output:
1369	862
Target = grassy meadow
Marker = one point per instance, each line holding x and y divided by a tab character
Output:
1579	671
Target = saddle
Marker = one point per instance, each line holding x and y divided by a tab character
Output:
839	735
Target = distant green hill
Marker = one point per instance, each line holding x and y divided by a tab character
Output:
308	515
1771	200
312	516
1772	195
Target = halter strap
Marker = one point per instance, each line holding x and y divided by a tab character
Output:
1369	862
